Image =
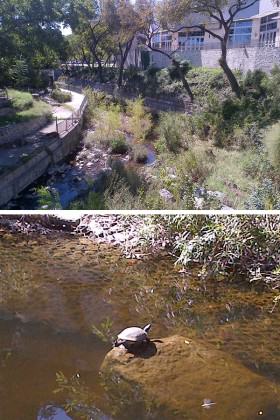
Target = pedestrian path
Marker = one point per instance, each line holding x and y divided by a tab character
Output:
64	111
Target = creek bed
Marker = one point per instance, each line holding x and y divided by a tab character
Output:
82	172
55	288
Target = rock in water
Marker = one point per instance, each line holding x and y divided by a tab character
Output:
180	375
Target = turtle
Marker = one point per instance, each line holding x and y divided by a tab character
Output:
133	338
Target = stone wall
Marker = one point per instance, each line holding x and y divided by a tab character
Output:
14	133
244	59
55	151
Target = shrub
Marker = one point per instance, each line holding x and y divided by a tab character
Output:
93	201
272	86
19	73
108	127
272	142
61	96
185	67
265	196
140	121
20	100
172	132
119	146
140	153
96	101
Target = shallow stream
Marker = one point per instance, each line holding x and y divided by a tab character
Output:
53	290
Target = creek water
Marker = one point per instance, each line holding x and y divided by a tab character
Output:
54	289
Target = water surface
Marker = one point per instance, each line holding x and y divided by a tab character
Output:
54	289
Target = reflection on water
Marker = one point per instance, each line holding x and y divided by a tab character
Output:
51	412
53	290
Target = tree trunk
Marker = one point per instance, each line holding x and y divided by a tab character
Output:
228	72
183	79
100	70
120	77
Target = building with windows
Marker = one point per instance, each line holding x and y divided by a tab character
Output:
257	27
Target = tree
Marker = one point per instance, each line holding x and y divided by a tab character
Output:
150	27
176	15
30	32
124	23
85	17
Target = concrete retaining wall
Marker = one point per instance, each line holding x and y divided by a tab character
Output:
154	104
55	151
244	59
14	133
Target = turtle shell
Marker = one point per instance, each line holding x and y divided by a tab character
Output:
133	334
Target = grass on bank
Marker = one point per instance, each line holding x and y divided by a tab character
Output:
24	108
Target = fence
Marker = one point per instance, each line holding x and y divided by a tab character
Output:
63	125
217	46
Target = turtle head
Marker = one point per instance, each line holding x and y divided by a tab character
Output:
147	328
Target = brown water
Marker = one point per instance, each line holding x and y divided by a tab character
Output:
53	290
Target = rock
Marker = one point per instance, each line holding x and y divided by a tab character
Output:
216	194
199	202
200	192
182	375
120	237
227	208
166	195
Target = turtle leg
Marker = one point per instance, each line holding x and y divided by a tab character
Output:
118	343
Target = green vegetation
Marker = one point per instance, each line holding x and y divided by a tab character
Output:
60	96
20	100
30	41
140	121
23	108
104	332
226	147
48	199
222	247
140	153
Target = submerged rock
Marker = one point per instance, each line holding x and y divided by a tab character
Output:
188	380
166	194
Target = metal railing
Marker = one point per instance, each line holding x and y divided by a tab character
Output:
64	125
217	46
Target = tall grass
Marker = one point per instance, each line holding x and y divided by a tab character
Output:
108	127
272	143
140	121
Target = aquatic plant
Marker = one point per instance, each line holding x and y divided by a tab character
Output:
104	332
223	246
79	399
48	199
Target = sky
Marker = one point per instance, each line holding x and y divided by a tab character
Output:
66	31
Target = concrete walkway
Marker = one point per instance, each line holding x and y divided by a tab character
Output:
14	155
64	111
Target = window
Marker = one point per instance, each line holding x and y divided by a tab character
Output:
241	32
191	40
166	41
156	41
268	29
